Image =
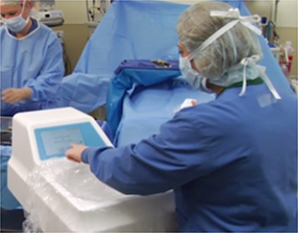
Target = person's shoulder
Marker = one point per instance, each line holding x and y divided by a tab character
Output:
2	29
4	34
209	115
44	28
47	33
201	109
195	113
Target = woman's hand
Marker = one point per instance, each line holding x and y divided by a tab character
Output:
75	152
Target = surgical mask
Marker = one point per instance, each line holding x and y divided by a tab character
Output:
193	77
17	23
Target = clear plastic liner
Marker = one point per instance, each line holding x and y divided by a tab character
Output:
58	176
66	197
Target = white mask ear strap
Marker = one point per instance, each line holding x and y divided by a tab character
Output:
247	61
244	62
252	61
24	5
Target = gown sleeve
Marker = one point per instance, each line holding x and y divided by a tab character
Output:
179	154
46	84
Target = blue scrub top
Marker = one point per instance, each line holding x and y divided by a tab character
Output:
232	163
34	61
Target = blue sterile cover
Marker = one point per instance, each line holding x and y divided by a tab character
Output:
135	29
131	73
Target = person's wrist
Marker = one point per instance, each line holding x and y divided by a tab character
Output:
27	93
84	155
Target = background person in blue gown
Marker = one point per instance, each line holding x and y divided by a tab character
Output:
231	162
31	70
31	63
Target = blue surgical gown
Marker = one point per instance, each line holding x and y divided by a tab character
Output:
232	163
35	61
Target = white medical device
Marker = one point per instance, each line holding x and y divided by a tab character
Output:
47	13
43	136
51	18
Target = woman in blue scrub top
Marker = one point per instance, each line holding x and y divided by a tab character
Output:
31	60
232	162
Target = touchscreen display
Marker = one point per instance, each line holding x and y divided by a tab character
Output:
58	141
